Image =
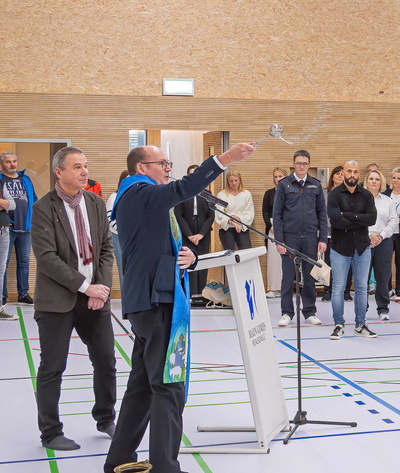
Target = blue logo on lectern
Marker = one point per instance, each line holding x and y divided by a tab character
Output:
251	297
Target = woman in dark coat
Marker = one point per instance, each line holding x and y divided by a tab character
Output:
195	219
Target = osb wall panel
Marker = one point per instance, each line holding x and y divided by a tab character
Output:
333	132
290	50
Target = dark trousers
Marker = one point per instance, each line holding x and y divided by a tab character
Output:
308	244
95	330
231	236
396	249
381	262
147	398
327	259
198	279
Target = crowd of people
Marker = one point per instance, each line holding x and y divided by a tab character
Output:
158	229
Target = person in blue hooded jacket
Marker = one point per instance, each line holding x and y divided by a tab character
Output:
21	189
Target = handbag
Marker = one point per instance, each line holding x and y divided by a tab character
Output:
322	274
217	294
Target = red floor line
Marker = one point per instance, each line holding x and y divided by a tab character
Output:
77	354
37	338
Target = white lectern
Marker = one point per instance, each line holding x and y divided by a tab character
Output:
257	345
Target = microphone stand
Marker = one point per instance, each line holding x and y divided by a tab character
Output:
300	417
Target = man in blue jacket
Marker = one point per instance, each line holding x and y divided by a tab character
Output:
155	299
300	222
20	187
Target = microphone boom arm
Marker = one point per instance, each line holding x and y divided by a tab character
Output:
294	252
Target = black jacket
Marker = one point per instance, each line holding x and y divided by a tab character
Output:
350	215
184	213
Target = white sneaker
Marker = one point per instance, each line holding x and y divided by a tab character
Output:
5	316
384	316
364	331
313	319
285	320
273	294
371	289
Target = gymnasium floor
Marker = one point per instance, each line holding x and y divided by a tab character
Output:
353	379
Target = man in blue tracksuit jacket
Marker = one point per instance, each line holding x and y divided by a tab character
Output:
300	222
21	189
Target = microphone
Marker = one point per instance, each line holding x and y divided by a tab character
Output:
206	194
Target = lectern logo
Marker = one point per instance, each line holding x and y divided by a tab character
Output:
250	288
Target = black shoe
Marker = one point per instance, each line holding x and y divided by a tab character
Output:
326	297
61	443
397	294
347	297
338	332
25	300
109	429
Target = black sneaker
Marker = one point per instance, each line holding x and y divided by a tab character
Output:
365	332
25	300
326	297
347	297
338	332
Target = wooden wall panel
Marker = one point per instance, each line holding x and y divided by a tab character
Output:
333	132
275	49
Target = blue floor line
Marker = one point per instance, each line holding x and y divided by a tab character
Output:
72	457
343	378
343	434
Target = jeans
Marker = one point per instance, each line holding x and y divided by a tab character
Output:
340	268
327	259
4	245
22	243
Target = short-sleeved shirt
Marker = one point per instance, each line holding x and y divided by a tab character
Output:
17	190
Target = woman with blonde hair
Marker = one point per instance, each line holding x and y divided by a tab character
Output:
380	235
274	264
241	207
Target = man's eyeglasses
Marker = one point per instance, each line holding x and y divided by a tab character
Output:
301	164
163	163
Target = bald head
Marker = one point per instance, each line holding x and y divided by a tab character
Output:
351	171
138	155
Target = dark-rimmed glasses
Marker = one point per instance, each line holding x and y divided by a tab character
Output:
301	164
163	163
